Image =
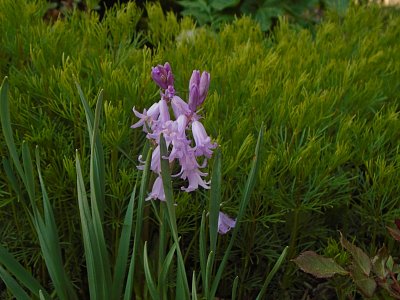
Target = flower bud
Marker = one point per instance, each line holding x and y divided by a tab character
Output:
203	87
162	76
193	97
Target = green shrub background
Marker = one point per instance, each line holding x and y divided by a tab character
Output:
328	96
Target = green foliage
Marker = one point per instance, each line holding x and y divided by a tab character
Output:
266	12
366	273
328	98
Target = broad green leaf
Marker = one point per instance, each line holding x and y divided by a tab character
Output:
364	283
360	257
394	232
317	265
222	4
379	263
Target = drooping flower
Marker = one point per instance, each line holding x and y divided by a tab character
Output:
202	140
186	149
158	190
225	223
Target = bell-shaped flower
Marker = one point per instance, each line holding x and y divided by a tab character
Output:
147	117
179	107
157	191
225	223
162	76
202	140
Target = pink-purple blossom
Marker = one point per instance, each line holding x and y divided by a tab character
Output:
186	138
225	223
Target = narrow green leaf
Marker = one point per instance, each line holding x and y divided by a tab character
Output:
149	279
194	288
215	200
29	180
165	266
138	226
242	207
11	177
6	127
317	265
13	286
167	184
41	295
97	165
203	251
18	271
49	243
123	249
91	252
234	287
272	273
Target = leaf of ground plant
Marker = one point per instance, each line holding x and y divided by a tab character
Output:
360	257
379	263
366	285
394	232
317	265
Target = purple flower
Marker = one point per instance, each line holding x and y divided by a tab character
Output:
185	149
179	107
202	140
162	76
225	223
148	116
158	190
198	89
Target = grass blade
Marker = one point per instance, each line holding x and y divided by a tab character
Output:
149	279
97	165
162	279
203	251
13	286
123	249
194	289
49	243
167	184
6	127
22	275
242	207
91	251
234	287
272	273
215	200
138	226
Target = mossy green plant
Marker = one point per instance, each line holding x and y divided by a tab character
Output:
328	98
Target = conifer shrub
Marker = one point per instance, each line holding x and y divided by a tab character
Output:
327	96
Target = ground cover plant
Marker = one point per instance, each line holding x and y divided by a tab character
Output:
328	99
